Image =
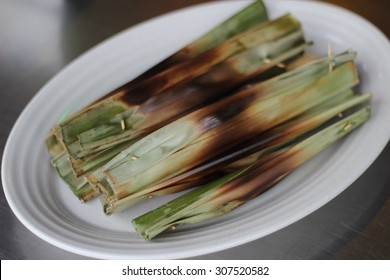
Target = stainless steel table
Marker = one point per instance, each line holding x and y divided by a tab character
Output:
39	37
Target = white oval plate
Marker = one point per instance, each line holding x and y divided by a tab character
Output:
45	205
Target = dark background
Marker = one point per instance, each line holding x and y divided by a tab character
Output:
39	37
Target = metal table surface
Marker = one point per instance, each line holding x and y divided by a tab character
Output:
39	37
